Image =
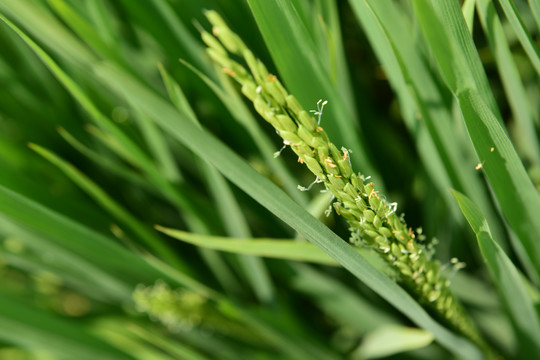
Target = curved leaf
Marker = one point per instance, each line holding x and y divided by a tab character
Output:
273	248
390	340
506	277
514	190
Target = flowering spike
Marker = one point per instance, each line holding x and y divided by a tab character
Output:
373	221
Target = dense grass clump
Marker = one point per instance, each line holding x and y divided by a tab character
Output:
413	122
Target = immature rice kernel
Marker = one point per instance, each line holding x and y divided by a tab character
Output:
293	104
286	123
307	121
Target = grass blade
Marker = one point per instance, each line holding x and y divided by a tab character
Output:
101	17
45	27
512	186
126	148
41	253
102	160
273	248
391	340
253	268
84	30
232	216
94	248
507	279
452	18
157	143
468	13
133	154
510	77
175	348
522	33
182	35
515	192
338	300
423	104
34	329
152	240
535	9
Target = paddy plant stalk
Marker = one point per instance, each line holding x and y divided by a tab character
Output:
373	221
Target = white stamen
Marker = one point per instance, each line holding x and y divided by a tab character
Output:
301	188
328	211
320	107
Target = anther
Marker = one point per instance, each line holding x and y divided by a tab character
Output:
346	155
328	161
373	193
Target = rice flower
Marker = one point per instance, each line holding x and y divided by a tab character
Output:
373	221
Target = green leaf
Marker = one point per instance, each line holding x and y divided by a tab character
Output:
231	215
339	301
113	263
103	21
115	331
522	33
422	103
40	252
46	27
511	80
157	143
84	30
285	249
511	184
153	241
461	40
35	329
507	279
535	9
119	141
519	200
453	67
96	249
273	248
179	31
175	348
391	340
468	13
105	162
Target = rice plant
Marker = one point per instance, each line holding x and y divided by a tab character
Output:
288	179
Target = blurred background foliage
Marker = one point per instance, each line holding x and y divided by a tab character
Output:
86	276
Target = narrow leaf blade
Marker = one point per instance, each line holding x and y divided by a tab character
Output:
506	277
